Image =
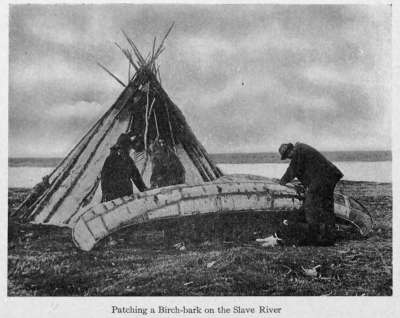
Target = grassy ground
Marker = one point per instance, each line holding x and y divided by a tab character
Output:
42	260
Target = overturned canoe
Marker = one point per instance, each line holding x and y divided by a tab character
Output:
220	196
229	194
351	211
346	208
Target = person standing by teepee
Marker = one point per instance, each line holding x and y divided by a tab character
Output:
166	167
119	170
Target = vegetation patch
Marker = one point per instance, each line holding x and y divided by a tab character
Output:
43	261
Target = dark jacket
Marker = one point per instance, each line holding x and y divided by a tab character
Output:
167	169
310	166
118	171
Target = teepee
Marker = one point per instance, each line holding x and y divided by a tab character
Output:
143	109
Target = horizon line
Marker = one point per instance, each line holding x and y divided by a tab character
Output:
222	153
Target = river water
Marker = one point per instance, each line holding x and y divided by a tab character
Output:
380	171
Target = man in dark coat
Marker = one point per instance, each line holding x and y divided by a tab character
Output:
319	176
119	170
167	169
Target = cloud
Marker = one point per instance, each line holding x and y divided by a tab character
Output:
201	50
312	103
50	29
324	75
274	38
80	109
47	70
247	77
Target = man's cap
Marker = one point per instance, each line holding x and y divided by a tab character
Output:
124	141
284	150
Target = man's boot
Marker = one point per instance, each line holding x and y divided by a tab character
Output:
313	234
293	233
326	235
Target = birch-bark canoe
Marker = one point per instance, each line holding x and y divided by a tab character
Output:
177	201
229	194
352	211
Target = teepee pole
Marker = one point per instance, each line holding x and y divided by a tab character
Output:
129	71
155	120
128	55
146	120
135	49
152	53
146	127
196	162
204	162
170	128
111	74
151	106
159	74
158	52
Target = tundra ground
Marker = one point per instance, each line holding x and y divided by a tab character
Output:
43	261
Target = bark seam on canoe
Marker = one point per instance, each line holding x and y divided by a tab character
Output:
183	199
104	223
138	196
88	228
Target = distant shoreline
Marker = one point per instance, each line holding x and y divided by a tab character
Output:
233	158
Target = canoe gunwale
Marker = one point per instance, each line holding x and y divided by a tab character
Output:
184	199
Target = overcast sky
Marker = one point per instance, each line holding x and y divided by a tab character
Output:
247	77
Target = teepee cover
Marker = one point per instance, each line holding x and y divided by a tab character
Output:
143	109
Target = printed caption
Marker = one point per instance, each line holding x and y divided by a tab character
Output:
195	310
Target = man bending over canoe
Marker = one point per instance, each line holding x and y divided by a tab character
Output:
319	176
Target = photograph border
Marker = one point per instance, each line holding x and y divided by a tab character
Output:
310	306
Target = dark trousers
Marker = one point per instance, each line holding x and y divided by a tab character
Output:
316	224
116	191
319	212
318	203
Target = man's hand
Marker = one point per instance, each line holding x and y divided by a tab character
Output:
278	181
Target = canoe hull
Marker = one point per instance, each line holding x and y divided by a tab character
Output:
180	201
232	194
